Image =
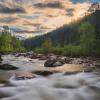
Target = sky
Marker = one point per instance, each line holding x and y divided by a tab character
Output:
36	17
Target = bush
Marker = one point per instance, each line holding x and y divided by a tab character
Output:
39	50
58	50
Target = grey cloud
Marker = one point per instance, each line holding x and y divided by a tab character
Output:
49	5
70	11
8	19
11	10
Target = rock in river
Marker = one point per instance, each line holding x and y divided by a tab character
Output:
24	75
50	63
53	63
7	67
5	76
45	72
57	63
0	58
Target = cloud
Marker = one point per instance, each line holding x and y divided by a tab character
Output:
70	11
42	13
8	19
56	4
11	10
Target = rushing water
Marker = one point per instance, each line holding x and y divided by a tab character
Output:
82	86
58	86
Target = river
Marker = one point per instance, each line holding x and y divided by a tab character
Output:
57	86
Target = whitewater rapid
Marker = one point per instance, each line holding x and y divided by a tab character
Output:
58	86
81	86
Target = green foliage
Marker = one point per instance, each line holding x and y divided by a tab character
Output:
5	42
47	46
17	45
71	50
87	37
9	43
58	50
39	50
79	38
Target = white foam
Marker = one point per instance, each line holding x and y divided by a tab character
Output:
83	86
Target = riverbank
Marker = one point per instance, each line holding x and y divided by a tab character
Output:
27	63
19	64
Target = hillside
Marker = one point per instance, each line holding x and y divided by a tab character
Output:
68	34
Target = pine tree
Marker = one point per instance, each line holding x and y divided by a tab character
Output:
87	37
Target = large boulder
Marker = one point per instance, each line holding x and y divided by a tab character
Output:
61	59
34	56
44	72
43	58
50	63
24	75
57	63
7	67
54	62
52	56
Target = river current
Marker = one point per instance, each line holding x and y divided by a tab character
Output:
58	86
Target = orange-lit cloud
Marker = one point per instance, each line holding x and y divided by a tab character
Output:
40	14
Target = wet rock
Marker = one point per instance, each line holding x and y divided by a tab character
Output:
50	63
54	62
5	76
52	57
40	55
28	54
68	60
24	75
62	60
0	58
71	73
88	70
44	73
97	65
7	67
77	61
18	55
57	63
43	58
34	56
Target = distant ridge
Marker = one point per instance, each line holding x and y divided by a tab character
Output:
68	34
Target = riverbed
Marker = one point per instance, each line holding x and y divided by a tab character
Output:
28	64
57	86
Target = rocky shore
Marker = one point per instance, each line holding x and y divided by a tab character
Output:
52	60
28	65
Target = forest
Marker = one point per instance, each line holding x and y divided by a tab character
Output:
79	38
9	43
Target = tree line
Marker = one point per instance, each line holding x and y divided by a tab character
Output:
9	43
81	38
